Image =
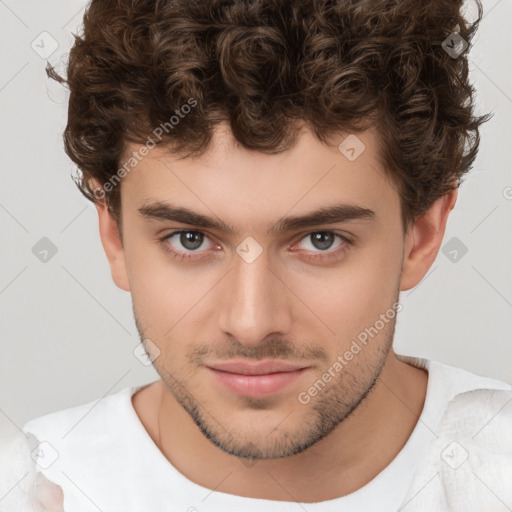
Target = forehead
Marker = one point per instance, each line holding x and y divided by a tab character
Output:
231	182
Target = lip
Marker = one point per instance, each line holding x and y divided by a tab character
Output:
256	380
260	368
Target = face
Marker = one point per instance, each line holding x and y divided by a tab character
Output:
255	284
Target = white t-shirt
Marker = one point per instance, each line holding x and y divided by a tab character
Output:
458	457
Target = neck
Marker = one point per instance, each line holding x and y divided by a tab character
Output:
345	460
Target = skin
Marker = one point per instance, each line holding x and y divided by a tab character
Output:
284	305
49	495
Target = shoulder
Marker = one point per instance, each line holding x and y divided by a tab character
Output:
468	465
77	433
60	422
472	400
471	406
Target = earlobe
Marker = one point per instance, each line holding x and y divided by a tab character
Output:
112	244
424	239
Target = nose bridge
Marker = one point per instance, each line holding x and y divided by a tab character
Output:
254	302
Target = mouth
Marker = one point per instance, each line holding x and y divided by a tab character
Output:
257	379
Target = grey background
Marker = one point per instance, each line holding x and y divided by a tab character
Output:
67	332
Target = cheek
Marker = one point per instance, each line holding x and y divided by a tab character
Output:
169	300
353	295
157	292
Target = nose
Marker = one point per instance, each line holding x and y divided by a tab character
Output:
254	301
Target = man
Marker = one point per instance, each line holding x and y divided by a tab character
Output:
268	177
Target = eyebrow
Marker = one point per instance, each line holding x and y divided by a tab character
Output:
327	215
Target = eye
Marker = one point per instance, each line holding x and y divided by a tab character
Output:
182	244
320	242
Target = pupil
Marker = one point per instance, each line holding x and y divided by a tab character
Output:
322	240
191	240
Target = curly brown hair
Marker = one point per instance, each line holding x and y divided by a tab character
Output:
266	67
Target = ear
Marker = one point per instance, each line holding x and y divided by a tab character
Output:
424	239
112	244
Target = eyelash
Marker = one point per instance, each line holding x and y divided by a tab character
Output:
322	256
